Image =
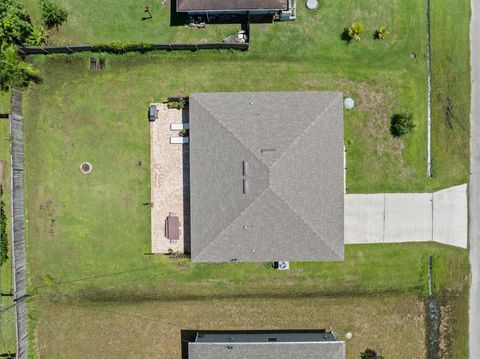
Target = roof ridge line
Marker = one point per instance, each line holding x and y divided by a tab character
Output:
302	219
300	135
233	220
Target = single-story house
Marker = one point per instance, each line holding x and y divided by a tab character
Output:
283	344
280	9
266	176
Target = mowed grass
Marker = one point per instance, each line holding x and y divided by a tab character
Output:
94	22
7	324
451	89
151	329
4	102
89	236
394	68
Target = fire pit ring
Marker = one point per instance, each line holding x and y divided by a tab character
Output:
86	167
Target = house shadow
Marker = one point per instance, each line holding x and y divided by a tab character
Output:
186	189
183	18
187	336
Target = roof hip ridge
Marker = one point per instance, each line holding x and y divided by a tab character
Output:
233	220
302	219
231	132
307	128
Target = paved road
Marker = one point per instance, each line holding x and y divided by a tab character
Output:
474	330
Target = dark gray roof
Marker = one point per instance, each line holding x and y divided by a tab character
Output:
230	5
264	336
293	209
273	350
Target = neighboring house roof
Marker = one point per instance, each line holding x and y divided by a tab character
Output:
230	5
275	345
293	208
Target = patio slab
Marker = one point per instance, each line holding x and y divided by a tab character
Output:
169	181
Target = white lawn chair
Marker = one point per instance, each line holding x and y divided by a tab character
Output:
179	126
179	140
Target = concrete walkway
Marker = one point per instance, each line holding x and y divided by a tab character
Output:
474	189
408	217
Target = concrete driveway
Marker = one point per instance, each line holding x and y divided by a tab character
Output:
408	217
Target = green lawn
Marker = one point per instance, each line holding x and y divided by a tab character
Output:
94	22
4	102
451	89
7	325
88	236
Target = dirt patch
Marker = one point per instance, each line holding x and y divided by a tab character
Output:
51	230
48	208
445	331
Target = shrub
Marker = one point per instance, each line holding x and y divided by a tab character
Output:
14	72
355	30
184	133
370	354
38	36
381	33
124	46
15	25
53	15
402	124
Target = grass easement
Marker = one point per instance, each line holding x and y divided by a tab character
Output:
450	29
7	328
3	230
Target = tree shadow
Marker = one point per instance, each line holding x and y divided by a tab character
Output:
344	36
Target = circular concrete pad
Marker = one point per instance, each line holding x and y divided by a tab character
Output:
349	103
312	4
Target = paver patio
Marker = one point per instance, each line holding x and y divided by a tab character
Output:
169	180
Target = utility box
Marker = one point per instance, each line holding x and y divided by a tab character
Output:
281	265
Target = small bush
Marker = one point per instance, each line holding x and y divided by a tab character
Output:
178	103
381	33
355	30
184	133
402	124
370	354
53	15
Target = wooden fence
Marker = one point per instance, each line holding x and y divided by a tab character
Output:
19	258
35	50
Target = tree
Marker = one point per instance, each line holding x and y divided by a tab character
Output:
381	33
402	124
370	354
355	30
15	25
53	15
14	72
